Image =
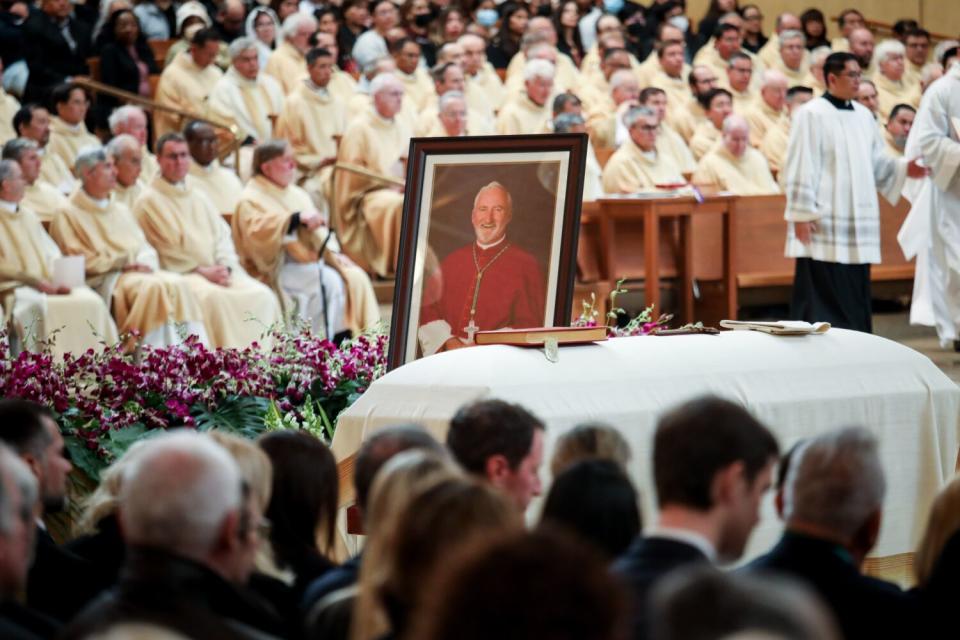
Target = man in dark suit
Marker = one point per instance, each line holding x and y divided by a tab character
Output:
832	505
57	47
712	463
59	582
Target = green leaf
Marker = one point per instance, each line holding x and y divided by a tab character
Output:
241	415
83	458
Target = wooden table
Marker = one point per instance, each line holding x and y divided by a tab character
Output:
667	230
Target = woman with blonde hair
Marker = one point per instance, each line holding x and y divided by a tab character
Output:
590	441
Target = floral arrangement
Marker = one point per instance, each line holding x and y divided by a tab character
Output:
105	400
641	325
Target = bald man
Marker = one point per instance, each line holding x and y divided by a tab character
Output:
862	45
531	112
768	112
484	90
734	165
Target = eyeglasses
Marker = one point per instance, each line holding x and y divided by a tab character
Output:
853	75
646	128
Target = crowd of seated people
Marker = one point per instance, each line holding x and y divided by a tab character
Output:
209	535
282	131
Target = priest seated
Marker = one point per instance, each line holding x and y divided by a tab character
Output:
637	166
287	63
285	242
687	116
489	284
125	152
738	81
605	122
40	311
131	120
244	96
669	142
768	112
673	75
734	165
368	208
341	85
42	199
120	265
484	89
898	128
68	130
186	82
417	83
192	239
33	123
220	185
717	104
777	139
793	59
452	120
892	88
449	77
530	112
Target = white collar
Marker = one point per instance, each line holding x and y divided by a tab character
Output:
490	246
685	536
317	89
12	207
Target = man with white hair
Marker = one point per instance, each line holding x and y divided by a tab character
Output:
372	43
191	532
186	82
18	507
126	153
892	90
368	211
514	85
130	119
40	197
530	112
451	52
540	30
814	78
605	119
768	111
793	60
770	52
637	166
244	96
833	503
450	117
120	265
287	63
484	89
449	78
38	306
734	165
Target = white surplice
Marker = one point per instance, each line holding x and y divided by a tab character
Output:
931	231
836	162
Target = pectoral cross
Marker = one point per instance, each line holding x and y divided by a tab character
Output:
471	329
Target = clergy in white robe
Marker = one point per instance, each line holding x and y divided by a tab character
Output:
285	243
892	88
718	104
686	116
592	171
738	77
192	239
245	97
417	83
605	118
793	59
835	165
768	112
125	151
287	64
734	165
219	184
777	138
8	108
717	55
637	166
669	142
186	82
530	112
42	199
68	132
367	211
69	320
449	78
673	74
131	120
931	231
484	89
119	263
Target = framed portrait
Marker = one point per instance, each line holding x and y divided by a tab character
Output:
488	239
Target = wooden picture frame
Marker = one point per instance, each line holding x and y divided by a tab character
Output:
543	175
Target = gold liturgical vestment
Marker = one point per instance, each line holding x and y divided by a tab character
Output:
43	200
107	236
67	140
188	232
367	213
222	186
128	195
248	104
631	170
55	172
185	86
747	175
523	115
287	65
670	143
761	118
484	91
260	232
80	318
704	139
890	94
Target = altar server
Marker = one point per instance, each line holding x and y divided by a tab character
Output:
835	165
192	239
74	320
734	165
119	263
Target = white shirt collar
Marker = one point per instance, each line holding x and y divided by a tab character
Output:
685	536
12	207
317	89
488	246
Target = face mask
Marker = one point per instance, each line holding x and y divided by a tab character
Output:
680	22
613	6
487	17
423	19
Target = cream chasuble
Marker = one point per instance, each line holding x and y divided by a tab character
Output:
686	118
891	148
743	100
275	256
247	103
8	108
710	57
43	200
770	52
567	73
361	103
188	232
128	195
67	140
840	44
602	125
747	175
310	120
221	186
795	77
651	68
677	90
287	66
522	115
80	316
368	212
762	118
774	145
485	90
590	65
429	125
183	85
107	236
417	88
704	139
149	167
670	143
631	170
55	172
341	86
890	94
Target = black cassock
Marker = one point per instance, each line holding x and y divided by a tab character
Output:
832	292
